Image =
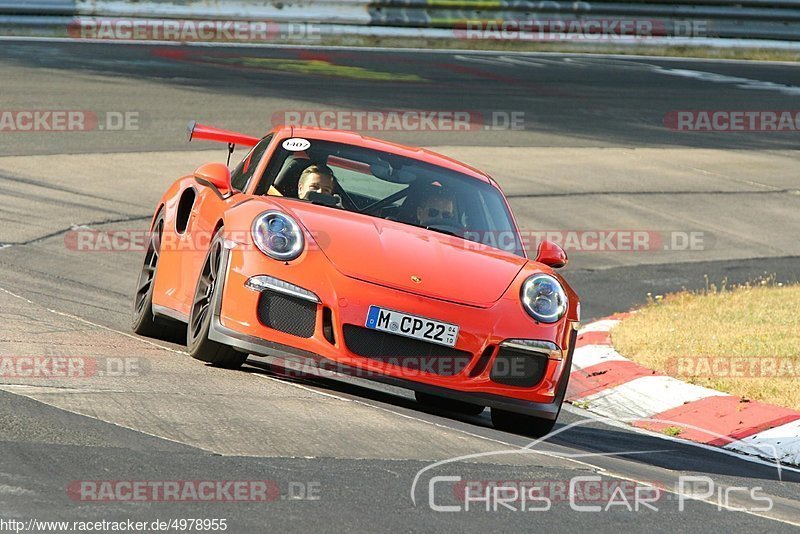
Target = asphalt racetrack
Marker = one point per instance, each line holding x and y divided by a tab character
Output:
594	149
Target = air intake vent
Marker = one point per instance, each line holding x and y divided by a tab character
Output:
405	352
287	314
518	368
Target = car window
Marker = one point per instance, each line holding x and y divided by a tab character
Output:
243	172
388	186
356	179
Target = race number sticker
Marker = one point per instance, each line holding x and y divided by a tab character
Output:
296	144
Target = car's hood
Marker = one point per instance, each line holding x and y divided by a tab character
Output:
408	258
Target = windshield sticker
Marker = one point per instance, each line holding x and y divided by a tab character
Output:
296	144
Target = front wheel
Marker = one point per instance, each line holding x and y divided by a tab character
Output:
527	425
200	347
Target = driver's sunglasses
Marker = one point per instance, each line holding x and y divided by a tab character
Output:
435	213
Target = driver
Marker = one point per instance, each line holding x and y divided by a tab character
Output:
438	206
317	179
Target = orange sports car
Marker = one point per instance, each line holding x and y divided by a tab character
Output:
366	258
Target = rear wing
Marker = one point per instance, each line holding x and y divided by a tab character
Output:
209	133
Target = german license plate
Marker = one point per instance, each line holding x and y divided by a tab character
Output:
413	326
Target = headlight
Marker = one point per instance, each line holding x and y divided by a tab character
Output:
544	298
278	236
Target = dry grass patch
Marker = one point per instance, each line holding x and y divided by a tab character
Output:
743	340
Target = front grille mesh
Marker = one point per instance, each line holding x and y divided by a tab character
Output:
287	314
405	352
517	368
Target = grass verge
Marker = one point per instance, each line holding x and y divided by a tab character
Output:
743	340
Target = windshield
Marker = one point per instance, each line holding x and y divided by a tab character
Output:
392	187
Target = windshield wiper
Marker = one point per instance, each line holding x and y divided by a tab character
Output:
443	231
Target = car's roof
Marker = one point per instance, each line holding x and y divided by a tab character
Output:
353	138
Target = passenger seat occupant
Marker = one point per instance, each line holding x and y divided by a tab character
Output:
437	206
317	179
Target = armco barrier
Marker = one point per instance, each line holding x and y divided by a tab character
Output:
726	19
37	7
753	19
319	11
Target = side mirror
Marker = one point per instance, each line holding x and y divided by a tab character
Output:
551	255
217	174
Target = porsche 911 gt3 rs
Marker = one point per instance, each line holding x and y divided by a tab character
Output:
366	257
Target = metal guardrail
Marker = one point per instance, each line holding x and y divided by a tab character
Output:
37	7
727	19
745	19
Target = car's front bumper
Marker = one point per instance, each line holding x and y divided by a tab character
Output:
235	322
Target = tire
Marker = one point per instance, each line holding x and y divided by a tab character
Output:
451	405
527	425
200	347
143	321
